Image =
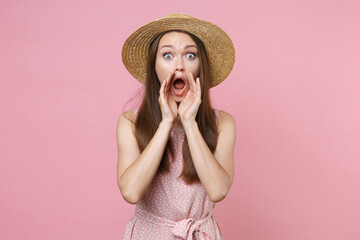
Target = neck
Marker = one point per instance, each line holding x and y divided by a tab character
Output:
178	125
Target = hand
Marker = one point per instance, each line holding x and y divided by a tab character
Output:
189	107
168	105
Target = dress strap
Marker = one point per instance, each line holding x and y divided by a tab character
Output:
135	113
183	229
216	114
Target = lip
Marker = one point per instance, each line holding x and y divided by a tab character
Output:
179	92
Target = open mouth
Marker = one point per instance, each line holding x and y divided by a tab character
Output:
179	86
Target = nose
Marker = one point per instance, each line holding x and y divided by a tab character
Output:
179	67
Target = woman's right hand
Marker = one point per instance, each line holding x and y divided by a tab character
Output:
168	105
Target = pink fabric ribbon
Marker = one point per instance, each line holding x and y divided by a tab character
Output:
183	228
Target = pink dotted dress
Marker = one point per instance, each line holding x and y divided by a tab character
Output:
171	209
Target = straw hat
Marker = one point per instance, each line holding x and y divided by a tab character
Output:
219	47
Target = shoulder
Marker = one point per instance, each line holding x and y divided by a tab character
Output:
126	120
225	120
127	116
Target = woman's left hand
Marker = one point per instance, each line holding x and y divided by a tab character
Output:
189	107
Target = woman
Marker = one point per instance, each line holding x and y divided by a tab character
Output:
175	153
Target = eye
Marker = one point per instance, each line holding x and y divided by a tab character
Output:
191	55
167	55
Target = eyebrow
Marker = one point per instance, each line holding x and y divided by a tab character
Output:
187	46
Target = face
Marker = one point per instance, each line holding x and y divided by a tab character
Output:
177	51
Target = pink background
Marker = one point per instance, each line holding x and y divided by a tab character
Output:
294	92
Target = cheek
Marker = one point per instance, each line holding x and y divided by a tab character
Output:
195	69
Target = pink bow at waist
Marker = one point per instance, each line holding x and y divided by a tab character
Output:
183	228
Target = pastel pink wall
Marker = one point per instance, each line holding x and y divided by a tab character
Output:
294	92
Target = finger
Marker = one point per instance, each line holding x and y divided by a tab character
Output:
187	97
198	87
164	91
191	82
168	80
194	84
198	84
161	91
165	84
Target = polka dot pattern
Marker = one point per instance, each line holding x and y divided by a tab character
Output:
171	209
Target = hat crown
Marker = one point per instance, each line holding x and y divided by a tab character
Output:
177	15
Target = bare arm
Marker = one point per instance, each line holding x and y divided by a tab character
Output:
135	171
216	171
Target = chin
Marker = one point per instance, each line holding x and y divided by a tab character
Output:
178	99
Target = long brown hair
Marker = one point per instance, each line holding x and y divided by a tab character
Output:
149	115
